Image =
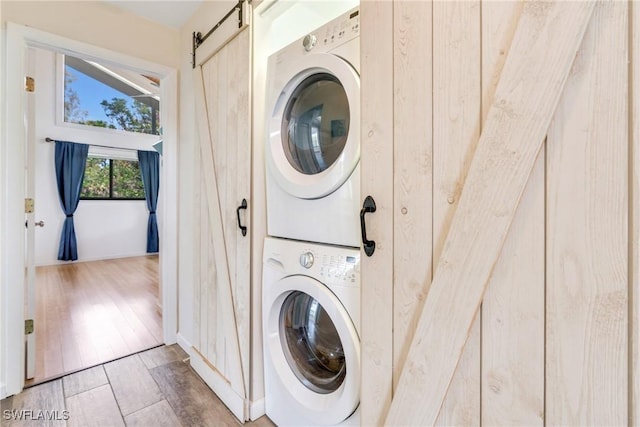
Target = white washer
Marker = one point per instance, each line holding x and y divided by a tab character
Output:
313	136
311	327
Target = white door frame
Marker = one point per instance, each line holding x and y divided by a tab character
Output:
12	154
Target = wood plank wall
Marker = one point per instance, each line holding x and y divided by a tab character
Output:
587	235
513	306
634	270
456	129
377	146
557	339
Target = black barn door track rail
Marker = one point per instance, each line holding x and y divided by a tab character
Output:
198	38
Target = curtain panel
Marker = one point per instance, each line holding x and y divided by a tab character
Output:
150	171
70	161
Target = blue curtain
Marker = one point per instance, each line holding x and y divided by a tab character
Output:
70	160
150	171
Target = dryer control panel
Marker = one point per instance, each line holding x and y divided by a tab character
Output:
334	33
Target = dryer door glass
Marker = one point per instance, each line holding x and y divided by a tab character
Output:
315	124
311	342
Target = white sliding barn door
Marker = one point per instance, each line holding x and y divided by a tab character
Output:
222	288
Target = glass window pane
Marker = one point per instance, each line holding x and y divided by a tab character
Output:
96	178
94	97
127	182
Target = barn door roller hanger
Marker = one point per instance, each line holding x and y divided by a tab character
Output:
198	38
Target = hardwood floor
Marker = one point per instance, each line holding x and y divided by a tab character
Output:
153	388
88	313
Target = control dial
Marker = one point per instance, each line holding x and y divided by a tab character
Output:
306	260
309	42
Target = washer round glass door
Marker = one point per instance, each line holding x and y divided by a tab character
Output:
314	136
312	344
314	348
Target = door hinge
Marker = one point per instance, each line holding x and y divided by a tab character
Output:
29	84
28	205
28	326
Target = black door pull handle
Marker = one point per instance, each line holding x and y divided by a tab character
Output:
243	228
369	206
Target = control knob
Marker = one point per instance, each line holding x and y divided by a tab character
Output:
309	42
306	260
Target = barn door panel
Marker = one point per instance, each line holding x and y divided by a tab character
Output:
587	235
513	306
456	128
524	102
221	345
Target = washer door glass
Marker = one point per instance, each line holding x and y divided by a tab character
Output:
315	124
312	346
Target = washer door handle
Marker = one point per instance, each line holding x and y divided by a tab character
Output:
243	228
369	206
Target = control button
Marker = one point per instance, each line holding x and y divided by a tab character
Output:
306	260
309	42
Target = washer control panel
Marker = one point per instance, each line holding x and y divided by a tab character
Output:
333	267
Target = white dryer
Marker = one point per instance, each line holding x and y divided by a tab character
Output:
311	325
312	146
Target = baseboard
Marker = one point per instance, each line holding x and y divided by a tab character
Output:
256	409
219	385
96	258
183	343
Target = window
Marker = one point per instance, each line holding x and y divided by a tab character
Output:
106	97
112	179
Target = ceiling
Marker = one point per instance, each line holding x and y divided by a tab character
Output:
170	13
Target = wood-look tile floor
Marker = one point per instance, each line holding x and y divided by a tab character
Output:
154	388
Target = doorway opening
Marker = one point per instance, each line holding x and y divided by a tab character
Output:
15	298
106	304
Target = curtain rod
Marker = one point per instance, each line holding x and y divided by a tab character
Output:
198	38
47	139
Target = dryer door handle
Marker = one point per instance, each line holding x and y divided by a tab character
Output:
369	206
243	228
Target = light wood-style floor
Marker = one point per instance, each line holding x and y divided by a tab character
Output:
89	313
154	388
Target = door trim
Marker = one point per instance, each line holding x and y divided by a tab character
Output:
18	39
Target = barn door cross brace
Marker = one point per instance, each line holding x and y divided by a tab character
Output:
198	38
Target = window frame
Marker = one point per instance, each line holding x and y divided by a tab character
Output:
111	160
59	109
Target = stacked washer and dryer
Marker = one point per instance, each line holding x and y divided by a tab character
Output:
311	259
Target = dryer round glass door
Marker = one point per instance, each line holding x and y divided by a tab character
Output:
312	344
313	144
315	124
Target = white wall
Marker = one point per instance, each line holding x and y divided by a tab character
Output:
104	228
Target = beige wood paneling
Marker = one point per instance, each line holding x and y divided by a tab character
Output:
413	170
223	325
526	97
634	270
513	306
376	22
456	128
587	240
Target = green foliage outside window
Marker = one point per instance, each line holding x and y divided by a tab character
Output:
112	179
